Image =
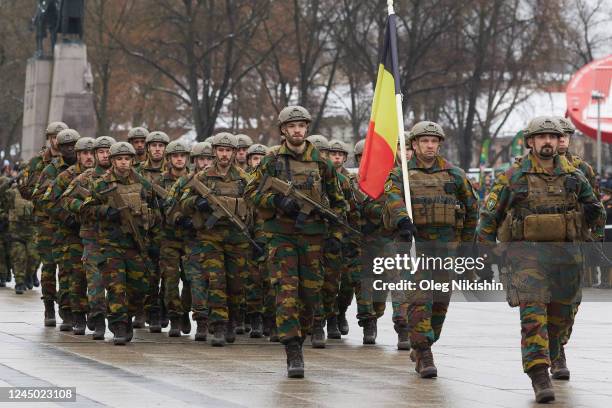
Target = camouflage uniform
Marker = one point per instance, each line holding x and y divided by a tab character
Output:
21	232
67	240
43	228
447	186
545	281
124	264
294	254
221	251
5	241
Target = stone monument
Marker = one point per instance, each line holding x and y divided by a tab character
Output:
59	83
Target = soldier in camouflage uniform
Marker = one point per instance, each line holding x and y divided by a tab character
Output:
5	241
43	228
23	255
66	140
244	142
67	228
526	207
72	201
137	137
296	242
445	210
172	247
259	303
123	203
151	169
221	247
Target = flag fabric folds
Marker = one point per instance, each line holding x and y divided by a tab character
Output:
381	141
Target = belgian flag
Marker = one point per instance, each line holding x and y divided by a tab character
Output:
383	131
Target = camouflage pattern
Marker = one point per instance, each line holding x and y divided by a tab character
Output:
43	228
124	264
426	310
24	258
66	238
294	255
218	255
544	290
72	201
50	253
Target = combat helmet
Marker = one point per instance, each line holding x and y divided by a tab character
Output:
540	125
224	139
336	145
427	128
85	143
137	133
565	125
359	146
104	142
257	149
67	136
157	136
121	148
319	141
293	114
202	149
177	146
244	141
55	127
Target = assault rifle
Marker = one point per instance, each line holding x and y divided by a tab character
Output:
128	218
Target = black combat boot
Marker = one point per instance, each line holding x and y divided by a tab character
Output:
230	331
129	331
154	323
218	339
78	323
425	363
318	335
99	327
274	338
540	381
201	330
20	288
66	315
2	282
558	368
332	328
186	323
343	325
175	326
139	320
295	359
28	282
35	280
49	313
267	325
369	331
163	314
256	326
403	336
240	329
120	332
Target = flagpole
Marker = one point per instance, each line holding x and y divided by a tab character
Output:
402	138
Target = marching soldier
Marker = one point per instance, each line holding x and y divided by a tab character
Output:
201	155
541	199
244	142
72	201
445	210
123	204
172	247
66	140
297	236
68	227
137	137
43	227
214	198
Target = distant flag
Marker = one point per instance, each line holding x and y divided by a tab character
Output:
383	131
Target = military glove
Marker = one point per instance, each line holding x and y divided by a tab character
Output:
333	246
202	205
184	222
591	212
406	229
113	214
287	205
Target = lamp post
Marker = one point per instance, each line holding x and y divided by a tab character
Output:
598	97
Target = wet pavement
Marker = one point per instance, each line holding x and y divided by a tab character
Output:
478	360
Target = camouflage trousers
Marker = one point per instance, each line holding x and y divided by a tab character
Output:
332	272
199	280
222	254
298	279
172	271
44	247
24	258
5	258
253	287
352	283
547	296
68	252
128	282
97	282
156	285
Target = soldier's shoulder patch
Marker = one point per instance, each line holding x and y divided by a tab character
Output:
69	188
388	186
491	201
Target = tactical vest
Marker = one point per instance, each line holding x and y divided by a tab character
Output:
230	194
549	213
21	210
132	195
305	177
434	200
